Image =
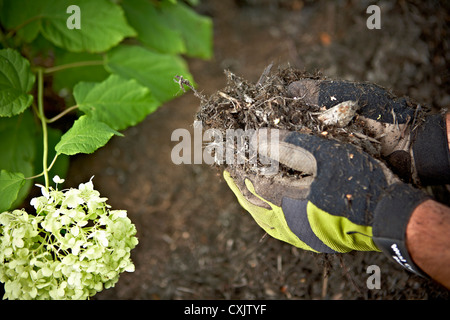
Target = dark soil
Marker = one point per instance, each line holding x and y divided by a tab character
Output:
196	242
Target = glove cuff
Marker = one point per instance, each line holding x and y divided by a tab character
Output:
391	218
431	151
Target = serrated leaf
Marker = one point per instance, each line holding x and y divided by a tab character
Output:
18	144
170	27
16	80
118	102
10	185
85	136
154	70
22	15
196	30
102	23
151	26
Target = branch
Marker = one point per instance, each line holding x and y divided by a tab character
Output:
74	65
62	114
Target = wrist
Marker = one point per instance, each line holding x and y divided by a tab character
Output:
391	218
427	239
431	151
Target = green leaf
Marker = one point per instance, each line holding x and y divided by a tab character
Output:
152	28
102	23
118	102
10	185
170	27
18	139
85	136
16	80
154	70
18	144
22	16
196	30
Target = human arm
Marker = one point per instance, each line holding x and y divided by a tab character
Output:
428	240
428	235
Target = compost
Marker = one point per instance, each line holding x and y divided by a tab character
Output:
269	103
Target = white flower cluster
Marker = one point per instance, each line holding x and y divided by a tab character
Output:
72	248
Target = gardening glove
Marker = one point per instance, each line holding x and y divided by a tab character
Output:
416	148
345	200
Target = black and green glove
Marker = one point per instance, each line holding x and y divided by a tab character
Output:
346	200
413	143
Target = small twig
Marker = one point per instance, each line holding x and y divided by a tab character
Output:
415	118
408	119
348	276
279	263
13	31
62	114
182	82
264	75
233	100
42	173
73	65
263	237
363	136
325	282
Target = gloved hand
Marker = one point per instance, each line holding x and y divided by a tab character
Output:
416	149
346	200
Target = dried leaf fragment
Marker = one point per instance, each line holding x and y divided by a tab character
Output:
340	115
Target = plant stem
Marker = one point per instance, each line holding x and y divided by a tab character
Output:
325	282
44	123
62	114
42	173
13	31
73	65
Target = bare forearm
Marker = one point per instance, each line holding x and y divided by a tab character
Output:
428	240
447	121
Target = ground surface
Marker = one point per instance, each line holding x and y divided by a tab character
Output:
195	240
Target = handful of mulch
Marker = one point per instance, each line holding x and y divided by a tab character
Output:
274	102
